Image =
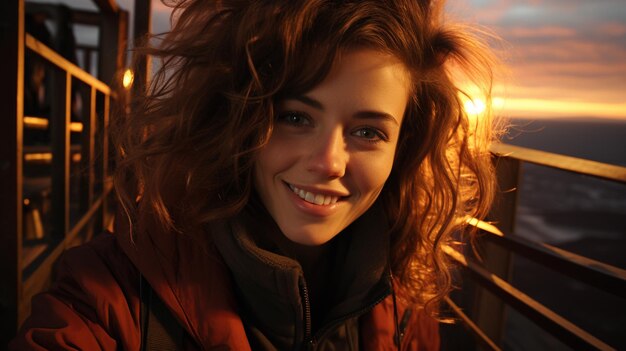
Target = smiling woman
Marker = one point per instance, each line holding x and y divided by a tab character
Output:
332	150
286	183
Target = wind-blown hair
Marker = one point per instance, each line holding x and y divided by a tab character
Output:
188	147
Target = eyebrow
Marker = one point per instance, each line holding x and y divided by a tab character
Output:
377	115
367	114
308	101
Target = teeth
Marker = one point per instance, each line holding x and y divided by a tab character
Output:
317	199
309	197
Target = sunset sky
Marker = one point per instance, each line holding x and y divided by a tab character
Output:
566	58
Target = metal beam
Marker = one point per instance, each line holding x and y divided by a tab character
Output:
566	163
490	311
86	17
112	54
60	135
555	324
65	65
143	23
583	269
107	6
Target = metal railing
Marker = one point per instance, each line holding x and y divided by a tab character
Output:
91	153
598	274
71	163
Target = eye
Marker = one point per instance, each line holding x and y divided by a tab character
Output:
294	118
370	134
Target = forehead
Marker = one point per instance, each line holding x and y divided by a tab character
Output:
370	65
315	64
365	80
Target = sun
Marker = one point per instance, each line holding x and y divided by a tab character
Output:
474	107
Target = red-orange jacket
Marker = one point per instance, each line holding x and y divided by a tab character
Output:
94	303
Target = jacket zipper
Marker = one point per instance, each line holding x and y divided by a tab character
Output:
311	341
307	315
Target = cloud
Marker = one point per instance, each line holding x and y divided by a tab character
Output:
540	32
550	108
560	52
613	29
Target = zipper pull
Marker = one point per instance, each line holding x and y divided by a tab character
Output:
406	316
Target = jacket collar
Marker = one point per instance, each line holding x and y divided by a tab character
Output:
190	276
271	287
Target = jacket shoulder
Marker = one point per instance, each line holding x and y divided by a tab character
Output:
93	303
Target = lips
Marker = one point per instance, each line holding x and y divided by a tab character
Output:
314	198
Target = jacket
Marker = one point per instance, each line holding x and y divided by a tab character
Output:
94	303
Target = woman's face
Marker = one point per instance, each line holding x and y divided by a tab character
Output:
333	147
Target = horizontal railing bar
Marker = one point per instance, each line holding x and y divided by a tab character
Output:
107	6
86	47
84	17
36	281
35	122
562	162
478	333
43	155
43	123
87	216
64	64
46	158
595	273
550	321
69	237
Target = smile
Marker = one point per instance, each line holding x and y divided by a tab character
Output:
317	199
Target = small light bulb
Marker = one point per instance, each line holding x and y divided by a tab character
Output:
129	76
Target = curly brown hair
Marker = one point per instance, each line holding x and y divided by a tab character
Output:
188	147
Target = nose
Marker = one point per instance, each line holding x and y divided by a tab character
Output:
329	157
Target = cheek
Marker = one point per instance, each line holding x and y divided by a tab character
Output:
266	165
273	158
279	147
371	173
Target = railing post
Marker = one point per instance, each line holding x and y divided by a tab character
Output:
106	162
88	154
60	132
489	311
11	132
101	166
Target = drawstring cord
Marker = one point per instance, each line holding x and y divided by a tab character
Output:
397	335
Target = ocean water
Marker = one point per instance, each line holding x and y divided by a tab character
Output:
558	207
577	213
602	140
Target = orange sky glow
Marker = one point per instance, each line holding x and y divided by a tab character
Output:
565	58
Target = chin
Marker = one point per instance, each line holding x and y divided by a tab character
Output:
309	237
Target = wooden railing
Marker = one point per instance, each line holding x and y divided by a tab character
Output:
504	242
